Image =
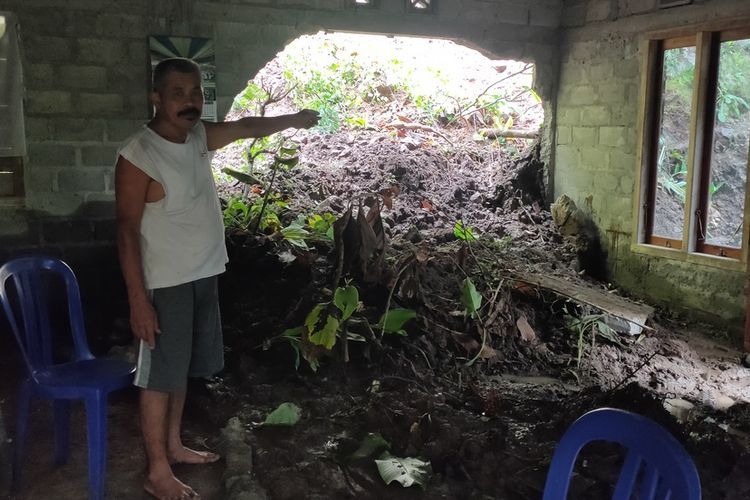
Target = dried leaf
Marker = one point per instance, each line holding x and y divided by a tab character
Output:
527	332
487	352
406	471
466	341
426	205
422	254
387	199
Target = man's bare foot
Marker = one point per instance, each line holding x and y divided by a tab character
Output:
169	488
184	455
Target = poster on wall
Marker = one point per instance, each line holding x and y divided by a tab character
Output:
200	50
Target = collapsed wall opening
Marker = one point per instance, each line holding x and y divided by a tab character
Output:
436	121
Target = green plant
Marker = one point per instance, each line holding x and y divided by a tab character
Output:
591	325
713	187
470	298
672	173
729	105
295	233
463	232
393	320
261	214
251	96
321	225
286	415
327	322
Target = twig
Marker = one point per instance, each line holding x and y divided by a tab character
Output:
417	126
408	262
494	133
265	199
636	370
468	109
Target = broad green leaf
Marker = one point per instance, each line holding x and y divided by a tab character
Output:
393	320
286	414
463	232
406	471
373	444
326	335
313	316
295	234
346	299
470	298
241	176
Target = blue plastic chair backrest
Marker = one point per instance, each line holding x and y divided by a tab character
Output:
656	465
26	304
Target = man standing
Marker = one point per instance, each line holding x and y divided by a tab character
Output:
170	238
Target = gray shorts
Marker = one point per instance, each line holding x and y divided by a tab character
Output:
190	343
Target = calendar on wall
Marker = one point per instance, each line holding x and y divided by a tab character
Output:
199	50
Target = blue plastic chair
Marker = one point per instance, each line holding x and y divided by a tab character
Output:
656	465
27	305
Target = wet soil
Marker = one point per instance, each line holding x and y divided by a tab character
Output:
488	429
483	401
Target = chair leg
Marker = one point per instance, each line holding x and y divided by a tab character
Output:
24	396
62	430
96	418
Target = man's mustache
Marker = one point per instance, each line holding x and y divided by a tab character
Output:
189	112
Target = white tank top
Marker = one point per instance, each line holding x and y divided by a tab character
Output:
182	235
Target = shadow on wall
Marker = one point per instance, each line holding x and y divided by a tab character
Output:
581	229
86	241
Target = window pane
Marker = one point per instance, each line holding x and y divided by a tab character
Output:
674	134
726	190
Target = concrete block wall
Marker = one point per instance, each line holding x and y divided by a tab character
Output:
596	144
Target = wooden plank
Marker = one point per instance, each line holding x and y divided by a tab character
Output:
633	314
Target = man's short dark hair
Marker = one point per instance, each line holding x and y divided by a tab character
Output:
169	65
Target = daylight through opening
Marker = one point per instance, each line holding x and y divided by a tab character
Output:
426	124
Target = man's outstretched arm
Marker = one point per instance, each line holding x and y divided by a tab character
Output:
220	134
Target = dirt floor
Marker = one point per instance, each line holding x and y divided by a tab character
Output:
481	390
42	479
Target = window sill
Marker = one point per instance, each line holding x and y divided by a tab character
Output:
700	259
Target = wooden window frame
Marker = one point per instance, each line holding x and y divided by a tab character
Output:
691	247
